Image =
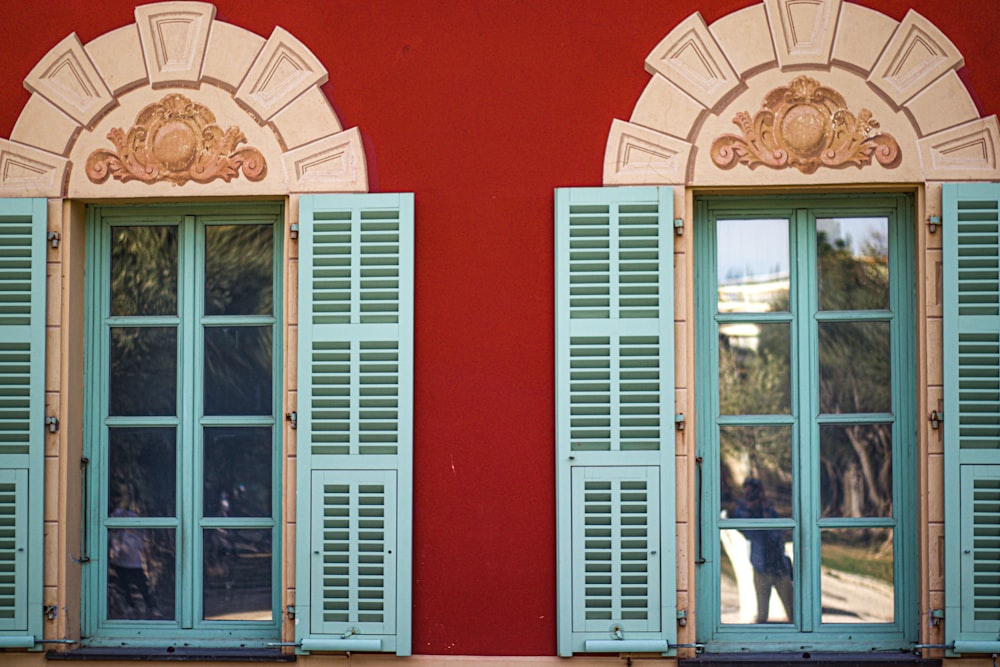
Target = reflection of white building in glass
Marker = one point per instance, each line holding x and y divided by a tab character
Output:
757	294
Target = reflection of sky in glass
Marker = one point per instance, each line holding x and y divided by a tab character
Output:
863	237
752	250
753	265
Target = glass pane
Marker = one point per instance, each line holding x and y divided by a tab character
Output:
854	367
756	471
853	263
237	472
237	575
143	371
754	369
239	269
141	571
142	472
757	580
856	578
752	265
238	371
144	270
856	470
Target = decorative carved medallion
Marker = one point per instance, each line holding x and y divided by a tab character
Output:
805	125
176	140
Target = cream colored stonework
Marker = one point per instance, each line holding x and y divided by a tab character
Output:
690	57
904	73
745	37
802	30
266	89
174	36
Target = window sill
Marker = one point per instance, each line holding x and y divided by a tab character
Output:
185	654
808	659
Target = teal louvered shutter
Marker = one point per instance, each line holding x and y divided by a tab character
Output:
615	420
971	295
23	227
354	434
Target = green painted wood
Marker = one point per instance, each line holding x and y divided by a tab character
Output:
23	228
804	420
615	417
353	559
355	414
971	329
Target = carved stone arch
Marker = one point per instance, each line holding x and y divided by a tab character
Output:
179	104
897	80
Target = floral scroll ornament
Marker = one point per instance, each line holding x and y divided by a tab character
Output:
176	140
806	126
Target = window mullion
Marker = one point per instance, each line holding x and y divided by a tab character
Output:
805	454
187	435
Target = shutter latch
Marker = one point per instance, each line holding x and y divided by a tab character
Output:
935	418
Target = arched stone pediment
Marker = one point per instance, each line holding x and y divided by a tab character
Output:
179	104
895	80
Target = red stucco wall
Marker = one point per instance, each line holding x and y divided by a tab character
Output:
480	107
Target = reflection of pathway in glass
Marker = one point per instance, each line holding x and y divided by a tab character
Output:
852	598
731	613
739	598
847	598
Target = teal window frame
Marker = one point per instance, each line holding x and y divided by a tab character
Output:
186	628
804	316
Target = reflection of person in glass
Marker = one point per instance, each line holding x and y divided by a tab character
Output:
126	548
771	567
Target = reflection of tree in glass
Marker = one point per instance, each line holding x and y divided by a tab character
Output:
239	269
856	474
855	377
239	280
144	270
849	281
754	380
238	370
143	371
142	465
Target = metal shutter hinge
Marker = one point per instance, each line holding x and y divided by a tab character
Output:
933	222
52	423
682	617
53	238
936	616
679	421
293	418
290	610
679	226
293	231
935	418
